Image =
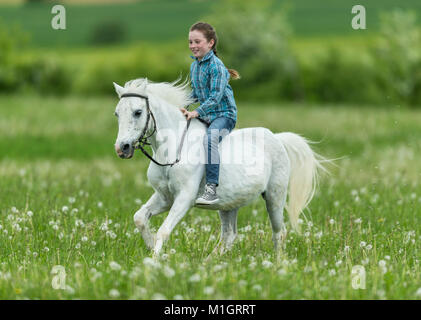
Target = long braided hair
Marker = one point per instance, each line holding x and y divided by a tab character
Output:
210	33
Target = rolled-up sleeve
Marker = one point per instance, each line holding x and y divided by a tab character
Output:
218	83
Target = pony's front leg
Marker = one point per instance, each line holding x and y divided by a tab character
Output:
179	208
155	205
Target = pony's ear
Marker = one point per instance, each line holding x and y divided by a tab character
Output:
118	89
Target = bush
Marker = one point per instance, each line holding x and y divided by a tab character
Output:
339	76
43	76
9	48
254	39
399	57
165	63
109	32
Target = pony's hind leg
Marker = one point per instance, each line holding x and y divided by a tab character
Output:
275	197
228	230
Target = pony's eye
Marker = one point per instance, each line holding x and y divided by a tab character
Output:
116	114
137	113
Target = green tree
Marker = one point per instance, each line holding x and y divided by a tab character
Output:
399	56
254	39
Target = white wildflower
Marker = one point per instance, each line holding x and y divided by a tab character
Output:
195	278
168	272
114	293
208	290
257	287
149	262
115	266
158	296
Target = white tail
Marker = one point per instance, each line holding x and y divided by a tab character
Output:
305	164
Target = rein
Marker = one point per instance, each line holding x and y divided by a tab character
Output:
142	141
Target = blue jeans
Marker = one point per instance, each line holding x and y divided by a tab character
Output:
219	128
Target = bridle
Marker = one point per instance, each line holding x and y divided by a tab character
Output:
142	141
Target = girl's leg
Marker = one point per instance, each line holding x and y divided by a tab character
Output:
218	129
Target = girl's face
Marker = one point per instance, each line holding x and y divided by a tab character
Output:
198	44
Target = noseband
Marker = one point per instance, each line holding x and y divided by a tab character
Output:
142	141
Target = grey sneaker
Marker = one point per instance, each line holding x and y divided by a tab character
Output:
209	196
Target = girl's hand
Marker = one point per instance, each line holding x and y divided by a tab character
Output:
189	115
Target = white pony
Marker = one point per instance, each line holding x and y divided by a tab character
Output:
269	163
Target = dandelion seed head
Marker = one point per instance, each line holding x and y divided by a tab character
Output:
168	272
114	293
149	262
158	296
195	278
266	264
115	266
332	272
257	287
208	290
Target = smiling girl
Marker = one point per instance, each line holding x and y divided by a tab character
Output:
209	79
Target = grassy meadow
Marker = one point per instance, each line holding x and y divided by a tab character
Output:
67	199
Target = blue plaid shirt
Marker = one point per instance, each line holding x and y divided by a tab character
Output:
209	81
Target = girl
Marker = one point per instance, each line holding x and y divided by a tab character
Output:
209	79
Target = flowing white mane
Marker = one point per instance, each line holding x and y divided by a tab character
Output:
176	93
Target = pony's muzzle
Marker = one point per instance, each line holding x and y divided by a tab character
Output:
124	150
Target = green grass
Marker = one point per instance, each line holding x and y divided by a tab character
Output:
160	21
58	162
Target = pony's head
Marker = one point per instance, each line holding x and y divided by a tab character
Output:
131	113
